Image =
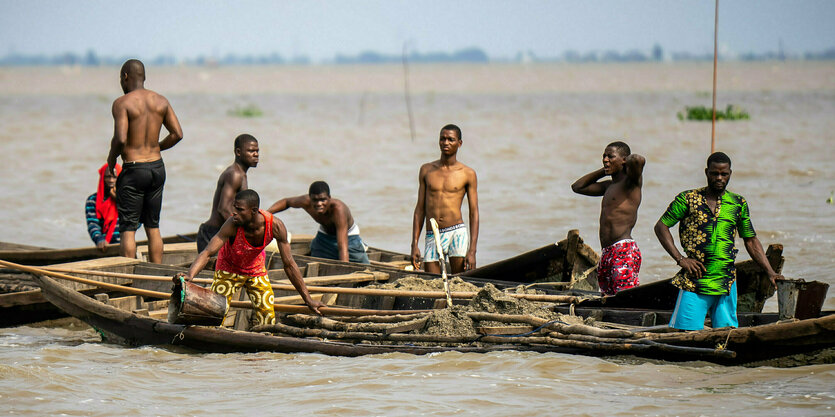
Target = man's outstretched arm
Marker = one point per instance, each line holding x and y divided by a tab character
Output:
226	231
285	203
290	267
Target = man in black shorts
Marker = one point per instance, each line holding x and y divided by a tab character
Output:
231	182
138	117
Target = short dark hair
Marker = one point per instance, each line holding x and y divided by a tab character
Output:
319	187
718	158
134	66
453	128
250	197
243	139
622	147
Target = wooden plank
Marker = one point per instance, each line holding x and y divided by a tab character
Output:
341	279
329	299
99	263
406	326
21	298
312	269
504	329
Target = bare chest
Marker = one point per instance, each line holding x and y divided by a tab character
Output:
446	181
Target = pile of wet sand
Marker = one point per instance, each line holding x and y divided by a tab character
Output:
455	322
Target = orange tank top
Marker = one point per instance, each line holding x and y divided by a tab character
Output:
240	257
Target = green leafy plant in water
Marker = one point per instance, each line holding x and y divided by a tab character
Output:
246	111
704	113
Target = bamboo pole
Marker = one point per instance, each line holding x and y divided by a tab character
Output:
406	93
548	298
283	308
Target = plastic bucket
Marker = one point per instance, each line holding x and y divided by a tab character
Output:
193	304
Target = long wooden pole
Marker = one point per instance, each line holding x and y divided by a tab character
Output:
407	93
715	59
332	311
340	290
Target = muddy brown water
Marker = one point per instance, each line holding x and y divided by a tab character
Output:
529	131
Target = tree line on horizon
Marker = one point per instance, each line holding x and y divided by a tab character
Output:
466	55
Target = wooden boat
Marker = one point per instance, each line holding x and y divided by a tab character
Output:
26	303
31	255
753	288
766	340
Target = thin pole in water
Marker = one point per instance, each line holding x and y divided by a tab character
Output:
406	88
715	55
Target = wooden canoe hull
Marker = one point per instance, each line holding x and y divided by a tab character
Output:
55	256
119	326
128	328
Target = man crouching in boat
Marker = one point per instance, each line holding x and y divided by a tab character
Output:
620	260
709	218
241	260
338	237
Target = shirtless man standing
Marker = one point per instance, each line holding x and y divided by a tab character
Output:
231	181
138	116
442	187
338	236
620	260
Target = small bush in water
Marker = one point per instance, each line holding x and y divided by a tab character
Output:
705	113
247	111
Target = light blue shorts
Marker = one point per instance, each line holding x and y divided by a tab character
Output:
691	310
454	242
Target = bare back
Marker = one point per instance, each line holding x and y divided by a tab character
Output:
445	187
619	211
139	116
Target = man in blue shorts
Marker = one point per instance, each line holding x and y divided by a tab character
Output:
709	218
338	236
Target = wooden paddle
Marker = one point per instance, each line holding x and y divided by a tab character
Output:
441	259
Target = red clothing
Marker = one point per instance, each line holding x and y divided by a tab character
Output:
619	267
106	208
242	258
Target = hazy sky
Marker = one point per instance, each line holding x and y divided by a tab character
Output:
322	29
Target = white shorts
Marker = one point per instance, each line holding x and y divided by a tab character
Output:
455	240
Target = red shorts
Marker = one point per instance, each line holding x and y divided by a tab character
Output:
619	267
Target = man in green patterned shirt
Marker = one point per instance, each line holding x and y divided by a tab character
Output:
709	218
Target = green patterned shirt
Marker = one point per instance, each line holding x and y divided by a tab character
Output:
709	238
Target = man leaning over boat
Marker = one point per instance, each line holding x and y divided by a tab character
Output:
338	236
240	244
709	216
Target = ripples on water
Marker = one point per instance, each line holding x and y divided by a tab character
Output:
59	371
528	131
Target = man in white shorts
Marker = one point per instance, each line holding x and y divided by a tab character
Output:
442	186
